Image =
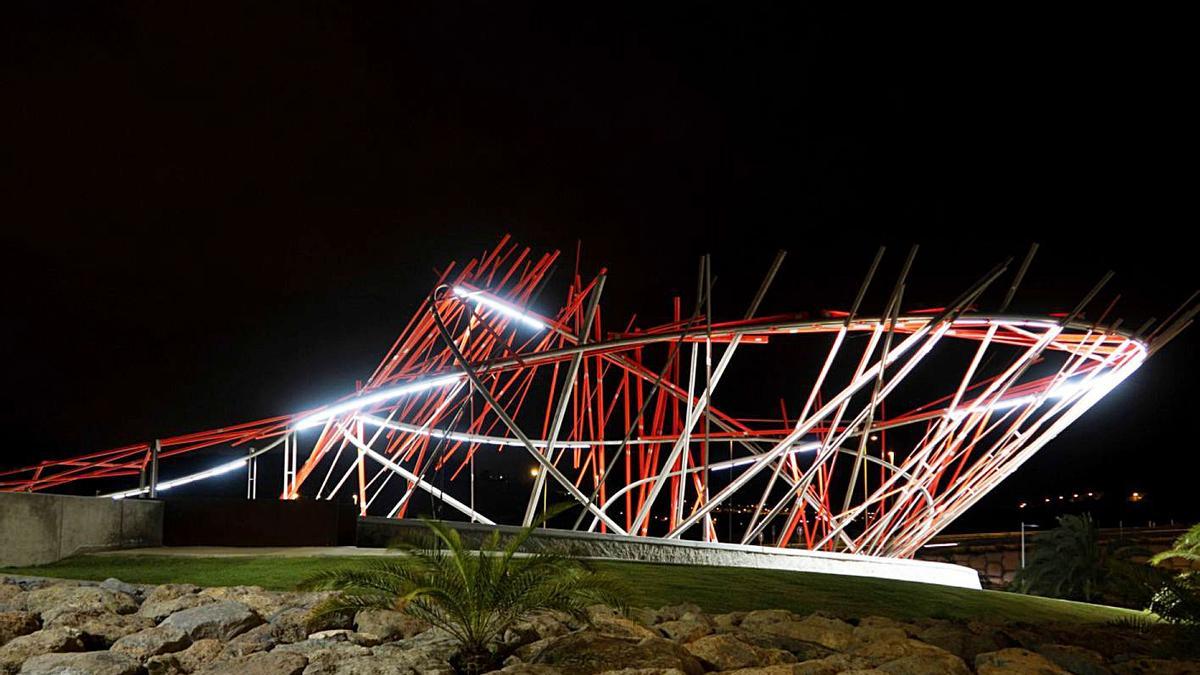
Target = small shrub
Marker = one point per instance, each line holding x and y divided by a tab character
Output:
473	595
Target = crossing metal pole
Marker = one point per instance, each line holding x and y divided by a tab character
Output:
252	476
155	446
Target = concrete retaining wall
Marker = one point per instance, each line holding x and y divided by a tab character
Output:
36	529
997	555
374	532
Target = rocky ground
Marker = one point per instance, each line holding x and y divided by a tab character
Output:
114	628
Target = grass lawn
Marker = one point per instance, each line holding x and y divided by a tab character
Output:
716	589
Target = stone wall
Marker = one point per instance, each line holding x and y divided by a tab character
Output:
996	556
116	628
36	529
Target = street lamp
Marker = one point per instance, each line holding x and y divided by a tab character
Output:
1023	526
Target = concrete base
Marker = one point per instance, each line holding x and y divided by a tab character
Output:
376	532
36	529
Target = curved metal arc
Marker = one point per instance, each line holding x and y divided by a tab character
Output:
905	323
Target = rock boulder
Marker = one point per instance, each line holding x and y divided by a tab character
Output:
153	641
387	624
45	641
1015	660
586	652
16	623
222	620
273	663
726	652
58	598
92	663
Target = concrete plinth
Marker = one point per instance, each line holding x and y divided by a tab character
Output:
376	532
36	529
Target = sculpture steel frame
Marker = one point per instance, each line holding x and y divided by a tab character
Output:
635	446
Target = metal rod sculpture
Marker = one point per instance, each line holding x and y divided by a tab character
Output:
634	444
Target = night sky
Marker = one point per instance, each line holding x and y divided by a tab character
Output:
217	213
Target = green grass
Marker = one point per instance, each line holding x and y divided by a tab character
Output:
276	573
716	589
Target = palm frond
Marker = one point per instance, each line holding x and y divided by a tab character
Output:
1178	601
1185	548
474	595
1137	624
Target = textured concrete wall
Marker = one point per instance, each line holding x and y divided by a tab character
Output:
383	532
997	555
37	528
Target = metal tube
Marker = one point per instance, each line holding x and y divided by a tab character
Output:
155	448
564	396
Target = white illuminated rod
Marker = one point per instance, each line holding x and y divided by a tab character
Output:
168	484
507	310
375	397
1064	390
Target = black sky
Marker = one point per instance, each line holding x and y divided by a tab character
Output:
221	212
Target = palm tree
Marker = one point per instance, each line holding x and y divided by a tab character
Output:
1178	600
473	595
1069	562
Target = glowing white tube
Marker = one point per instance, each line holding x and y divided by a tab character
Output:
505	309
1062	391
373	398
985	321
241	462
742	461
167	485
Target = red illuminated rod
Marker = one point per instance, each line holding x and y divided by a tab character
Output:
632	425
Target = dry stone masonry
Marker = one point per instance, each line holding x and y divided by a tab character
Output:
113	628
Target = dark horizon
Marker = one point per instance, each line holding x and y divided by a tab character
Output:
222	214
